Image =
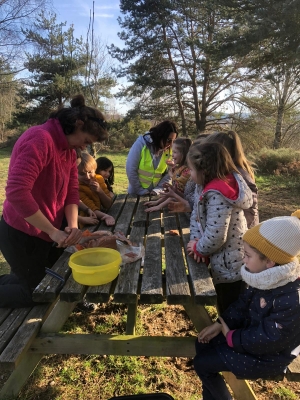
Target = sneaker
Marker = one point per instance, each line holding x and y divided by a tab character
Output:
85	306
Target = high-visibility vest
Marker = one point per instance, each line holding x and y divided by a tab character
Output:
146	172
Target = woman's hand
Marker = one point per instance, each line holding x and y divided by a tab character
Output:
224	326
209	332
74	235
59	237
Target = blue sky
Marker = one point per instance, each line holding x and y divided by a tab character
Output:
106	26
77	12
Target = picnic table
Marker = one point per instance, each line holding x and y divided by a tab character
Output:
167	274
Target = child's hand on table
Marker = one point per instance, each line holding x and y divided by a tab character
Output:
89	220
109	220
91	213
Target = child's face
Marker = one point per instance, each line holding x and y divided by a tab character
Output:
253	261
85	176
197	176
176	154
105	172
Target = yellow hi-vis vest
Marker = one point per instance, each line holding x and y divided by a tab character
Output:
146	172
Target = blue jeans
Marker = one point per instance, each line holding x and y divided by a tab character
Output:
208	364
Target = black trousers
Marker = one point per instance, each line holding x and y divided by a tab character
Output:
208	364
28	256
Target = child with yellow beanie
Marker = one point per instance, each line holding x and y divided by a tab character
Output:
258	336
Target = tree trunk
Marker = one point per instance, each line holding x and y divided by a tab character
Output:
278	129
177	86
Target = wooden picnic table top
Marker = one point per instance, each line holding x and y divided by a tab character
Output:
168	273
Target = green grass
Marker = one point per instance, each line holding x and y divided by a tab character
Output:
284	393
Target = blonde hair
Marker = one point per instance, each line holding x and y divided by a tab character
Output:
212	159
87	162
233	144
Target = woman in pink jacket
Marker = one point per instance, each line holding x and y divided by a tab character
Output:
42	189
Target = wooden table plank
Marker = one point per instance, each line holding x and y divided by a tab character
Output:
152	285
72	291
177	286
115	211
293	371
11	355
50	287
99	294
126	290
199	276
124	219
11	324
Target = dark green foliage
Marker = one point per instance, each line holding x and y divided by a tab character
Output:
278	162
56	64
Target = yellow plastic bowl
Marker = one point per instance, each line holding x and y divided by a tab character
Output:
95	266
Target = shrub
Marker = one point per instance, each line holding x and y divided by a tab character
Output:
278	162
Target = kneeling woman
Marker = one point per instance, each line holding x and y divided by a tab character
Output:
42	188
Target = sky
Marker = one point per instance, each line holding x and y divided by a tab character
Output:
77	12
106	26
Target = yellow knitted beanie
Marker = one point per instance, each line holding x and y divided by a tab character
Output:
277	238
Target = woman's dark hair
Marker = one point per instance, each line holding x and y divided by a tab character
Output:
105	163
162	132
212	160
183	145
93	120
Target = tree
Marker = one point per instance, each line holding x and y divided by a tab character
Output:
273	101
56	66
99	79
269	30
15	14
7	98
171	57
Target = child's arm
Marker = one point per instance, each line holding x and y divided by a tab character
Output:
87	220
154	202
105	200
158	207
209	332
86	209
270	332
109	220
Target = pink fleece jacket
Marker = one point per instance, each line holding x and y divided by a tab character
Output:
42	176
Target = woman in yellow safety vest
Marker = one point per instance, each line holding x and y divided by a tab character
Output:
146	164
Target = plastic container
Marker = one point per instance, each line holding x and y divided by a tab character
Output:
95	266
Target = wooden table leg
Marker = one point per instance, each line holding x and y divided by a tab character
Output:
29	362
131	318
